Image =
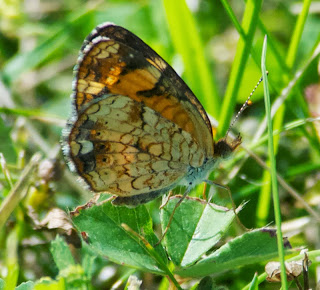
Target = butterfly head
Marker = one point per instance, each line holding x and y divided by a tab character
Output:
223	148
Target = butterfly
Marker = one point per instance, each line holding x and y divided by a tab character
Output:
136	130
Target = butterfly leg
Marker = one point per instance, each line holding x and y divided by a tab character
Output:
166	200
233	204
172	214
93	201
106	200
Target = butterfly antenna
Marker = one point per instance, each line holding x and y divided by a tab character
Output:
244	106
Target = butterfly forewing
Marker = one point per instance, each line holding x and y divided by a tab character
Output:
113	60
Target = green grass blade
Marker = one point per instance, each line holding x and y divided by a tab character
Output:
249	24
153	253
254	282
18	191
296	36
233	18
188	44
273	47
272	158
11	261
265	196
56	39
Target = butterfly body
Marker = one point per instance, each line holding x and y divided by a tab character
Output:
136	131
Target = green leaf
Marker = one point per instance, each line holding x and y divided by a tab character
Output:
196	227
24	286
206	283
2	283
87	264
49	284
61	254
252	247
75	277
107	237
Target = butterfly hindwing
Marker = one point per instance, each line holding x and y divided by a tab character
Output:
130	154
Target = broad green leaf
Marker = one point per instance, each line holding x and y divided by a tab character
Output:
87	264
61	254
108	238
75	277
252	247
24	286
196	227
206	283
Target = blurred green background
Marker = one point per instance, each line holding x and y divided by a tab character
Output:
220	61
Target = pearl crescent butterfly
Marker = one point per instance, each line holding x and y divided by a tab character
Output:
136	130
